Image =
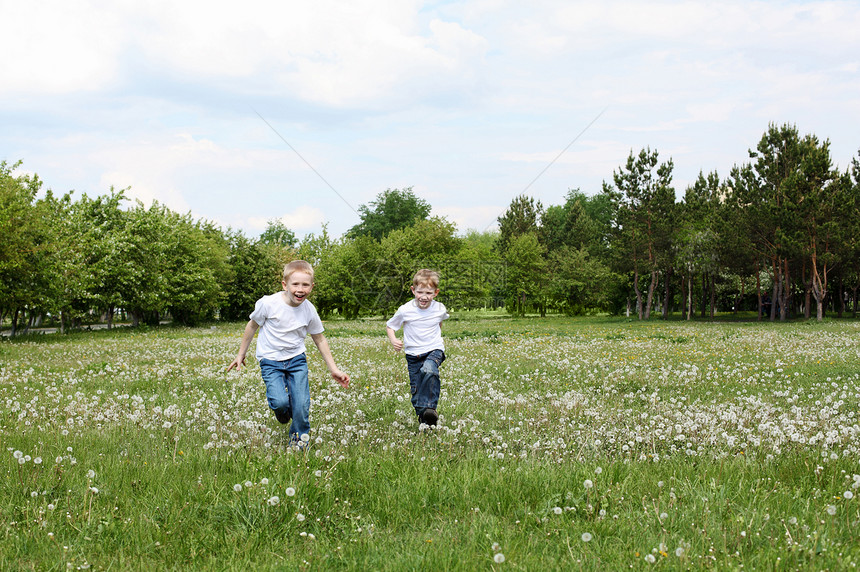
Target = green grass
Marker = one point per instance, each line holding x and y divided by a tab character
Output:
706	445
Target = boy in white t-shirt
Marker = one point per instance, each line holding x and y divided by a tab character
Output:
284	319
422	319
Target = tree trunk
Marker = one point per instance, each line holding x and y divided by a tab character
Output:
638	293
841	307
684	297
704	303
786	293
666	292
690	309
713	295
758	289
854	305
651	287
14	331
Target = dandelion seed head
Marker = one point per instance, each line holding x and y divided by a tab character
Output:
290	492
586	537
237	487
499	558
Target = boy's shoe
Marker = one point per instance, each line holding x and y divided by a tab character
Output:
430	417
284	417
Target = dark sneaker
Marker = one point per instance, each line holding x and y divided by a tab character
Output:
284	417
430	417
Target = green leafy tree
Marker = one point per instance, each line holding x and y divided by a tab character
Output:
251	274
347	277
475	277
526	274
27	261
570	224
644	203
277	233
580	283
522	216
821	198
194	266
392	210
767	195
427	244
697	241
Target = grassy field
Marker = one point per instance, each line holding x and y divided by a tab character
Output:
594	444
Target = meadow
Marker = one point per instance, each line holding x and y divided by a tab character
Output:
563	444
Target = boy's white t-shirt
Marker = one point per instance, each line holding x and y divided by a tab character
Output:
421	331
283	328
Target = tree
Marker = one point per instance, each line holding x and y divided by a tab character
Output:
821	198
570	224
392	210
698	239
195	267
578	282
523	216
526	273
428	244
27	282
644	203
250	275
278	234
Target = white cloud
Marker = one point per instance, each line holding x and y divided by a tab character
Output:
470	94
478	217
300	220
57	47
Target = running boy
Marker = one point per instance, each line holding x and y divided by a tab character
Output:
421	319
284	319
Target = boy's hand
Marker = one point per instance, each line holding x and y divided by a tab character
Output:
398	344
236	363
340	377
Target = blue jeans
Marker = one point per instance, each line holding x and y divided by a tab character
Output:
287	390
424	379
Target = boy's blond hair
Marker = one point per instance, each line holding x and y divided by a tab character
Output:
298	266
426	277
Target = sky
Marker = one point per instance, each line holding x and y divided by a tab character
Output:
244	112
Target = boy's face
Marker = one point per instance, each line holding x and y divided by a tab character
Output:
298	287
424	294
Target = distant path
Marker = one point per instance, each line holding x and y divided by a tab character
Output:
7	331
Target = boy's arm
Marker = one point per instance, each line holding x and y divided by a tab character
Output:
322	345
398	345
247	337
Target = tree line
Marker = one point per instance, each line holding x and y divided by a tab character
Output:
777	236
